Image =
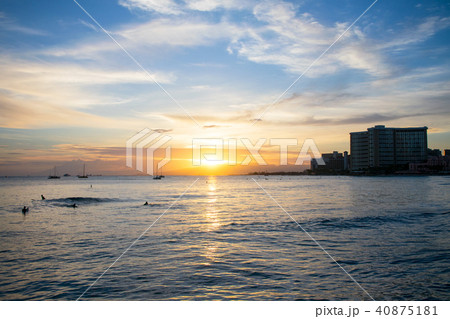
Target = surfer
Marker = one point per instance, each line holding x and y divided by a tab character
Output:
24	210
74	205
146	203
42	197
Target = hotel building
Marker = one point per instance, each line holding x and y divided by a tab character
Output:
388	147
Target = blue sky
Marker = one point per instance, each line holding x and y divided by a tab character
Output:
65	82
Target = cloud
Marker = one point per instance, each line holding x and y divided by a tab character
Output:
159	6
161	130
17	113
27	113
68	84
212	5
317	100
223	117
170	7
359	119
10	25
75	74
358	56
151	37
36	95
89	25
111	151
72	72
294	41
215	126
174	33
368	118
416	33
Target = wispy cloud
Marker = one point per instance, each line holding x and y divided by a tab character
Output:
212	5
60	88
159	6
31	113
175	32
416	33
73	73
176	8
293	41
89	25
9	25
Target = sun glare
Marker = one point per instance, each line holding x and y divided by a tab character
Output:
213	163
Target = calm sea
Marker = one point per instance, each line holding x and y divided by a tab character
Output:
226	239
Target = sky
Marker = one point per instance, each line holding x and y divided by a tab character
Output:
233	69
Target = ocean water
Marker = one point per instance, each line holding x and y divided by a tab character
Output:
226	238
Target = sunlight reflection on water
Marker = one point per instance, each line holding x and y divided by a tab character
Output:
225	239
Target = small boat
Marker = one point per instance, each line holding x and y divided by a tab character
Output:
53	174
84	172
157	176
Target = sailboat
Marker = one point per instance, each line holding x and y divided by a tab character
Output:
84	172
53	175
157	176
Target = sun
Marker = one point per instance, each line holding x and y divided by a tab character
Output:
213	163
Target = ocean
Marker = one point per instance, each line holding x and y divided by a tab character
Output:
225	238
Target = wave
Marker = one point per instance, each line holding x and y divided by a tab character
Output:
356	222
79	200
338	223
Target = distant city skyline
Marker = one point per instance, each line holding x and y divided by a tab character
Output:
69	94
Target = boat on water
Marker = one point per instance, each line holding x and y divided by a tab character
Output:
84	172
53	174
158	176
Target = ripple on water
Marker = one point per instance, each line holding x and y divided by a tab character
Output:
226	239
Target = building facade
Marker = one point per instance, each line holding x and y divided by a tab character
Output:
359	150
387	147
334	162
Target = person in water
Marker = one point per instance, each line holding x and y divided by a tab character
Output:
42	197
74	205
146	203
24	210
